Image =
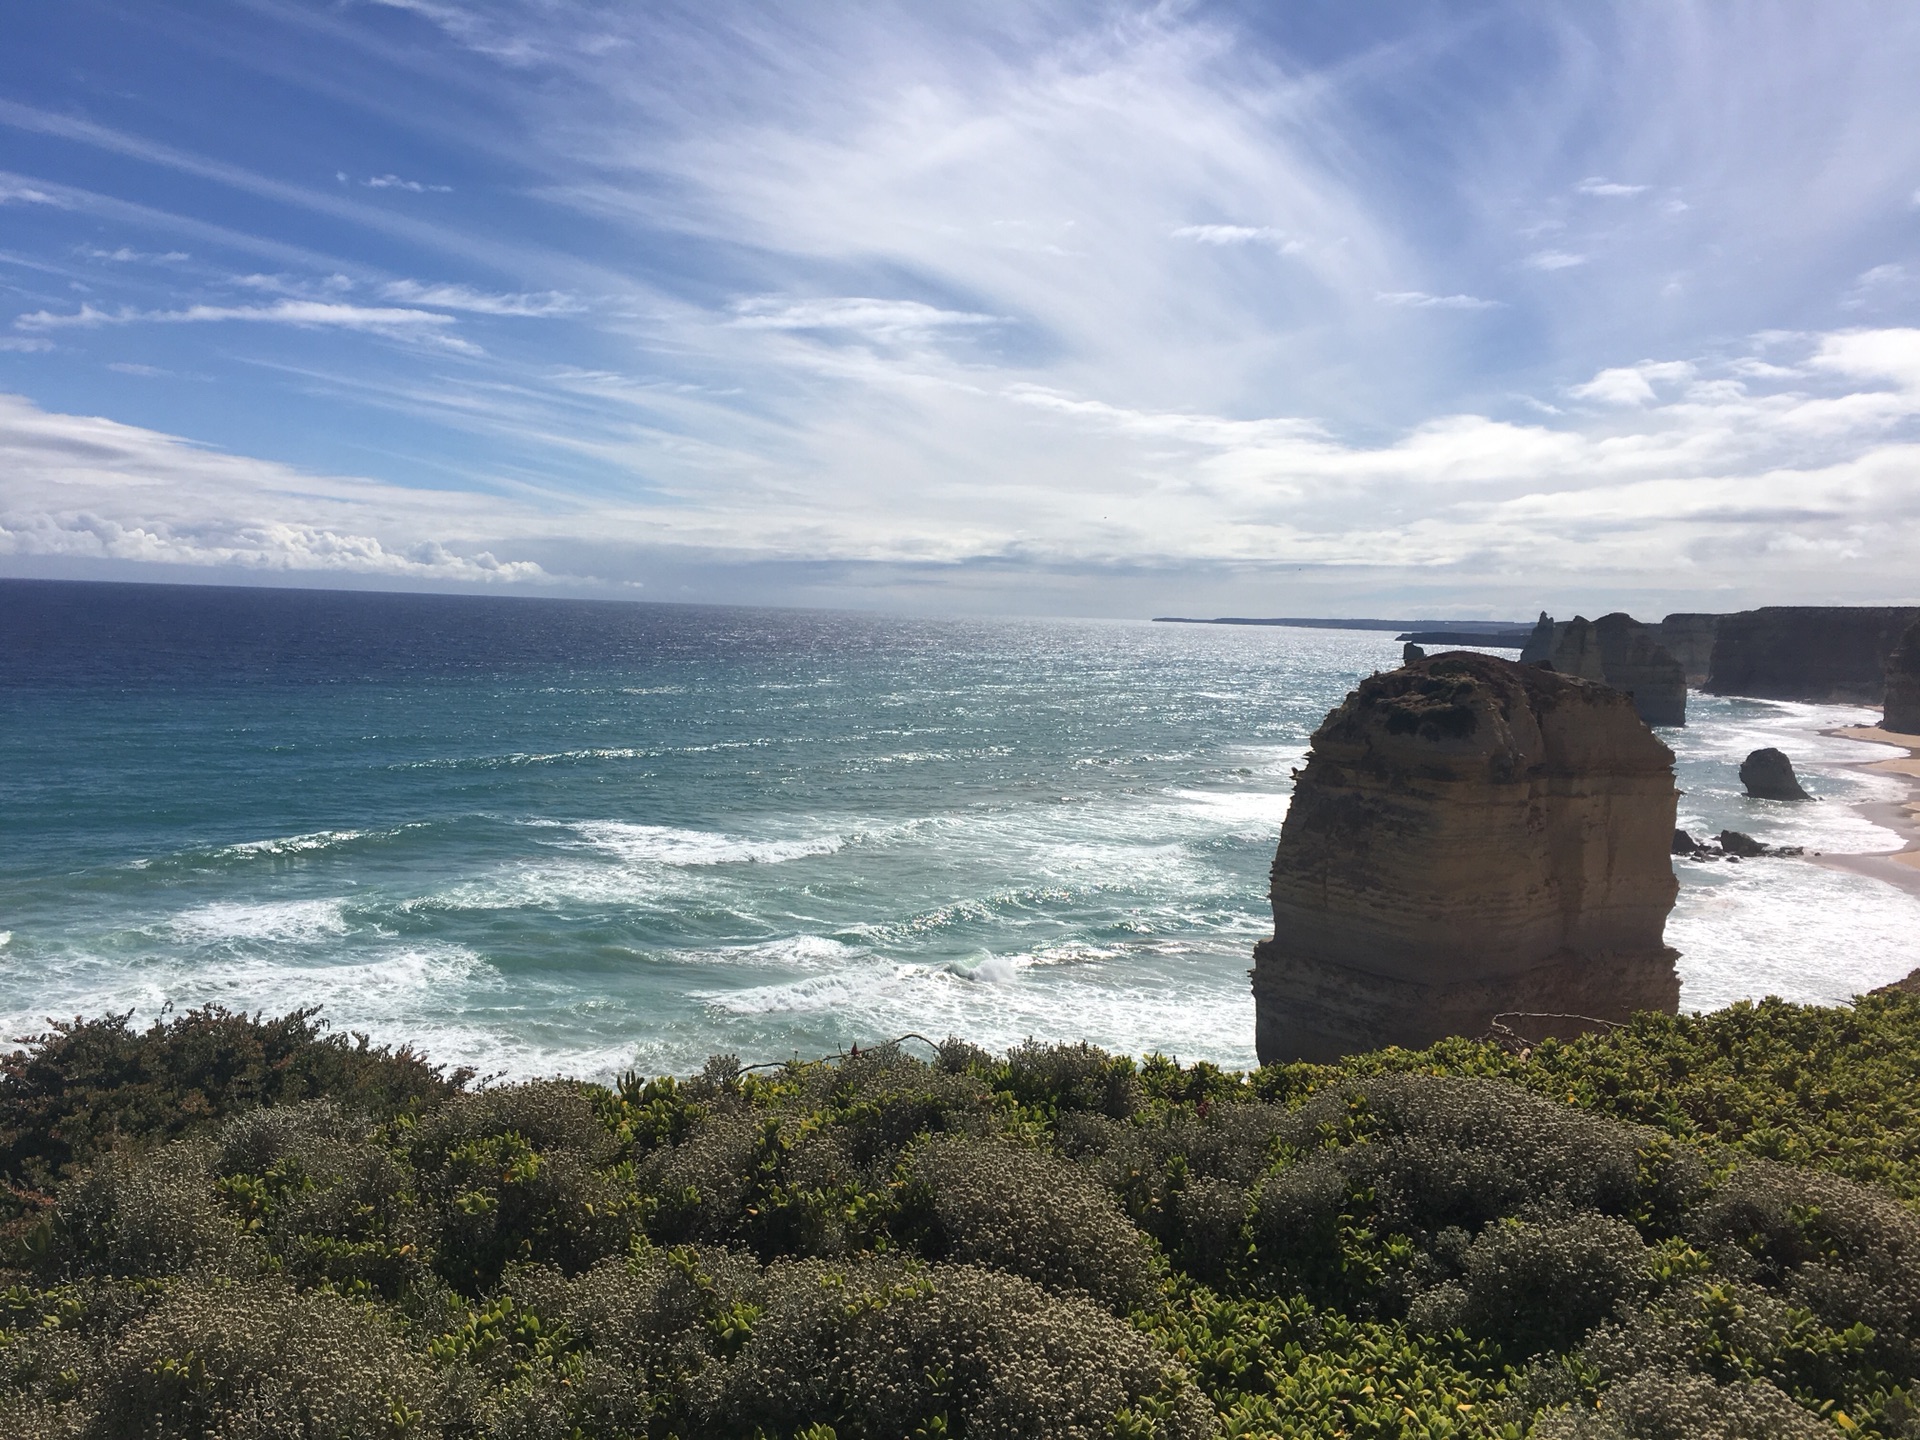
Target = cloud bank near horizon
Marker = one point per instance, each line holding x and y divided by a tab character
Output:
1091	308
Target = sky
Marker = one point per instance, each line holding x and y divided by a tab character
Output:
1397	309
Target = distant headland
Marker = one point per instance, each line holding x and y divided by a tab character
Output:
1510	634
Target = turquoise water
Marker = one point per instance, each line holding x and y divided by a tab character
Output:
542	836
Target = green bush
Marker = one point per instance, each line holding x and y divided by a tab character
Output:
256	1361
85	1085
227	1227
1028	1213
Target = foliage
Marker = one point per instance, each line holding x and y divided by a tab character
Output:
239	1228
75	1091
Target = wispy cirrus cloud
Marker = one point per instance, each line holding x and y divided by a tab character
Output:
1240	235
1082	289
127	255
396	182
463	297
392	322
1420	300
863	314
1608	189
15	193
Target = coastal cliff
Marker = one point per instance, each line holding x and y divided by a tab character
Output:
1688	637
1808	652
1615	650
1902	712
1469	837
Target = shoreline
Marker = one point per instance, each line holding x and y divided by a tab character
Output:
1897	867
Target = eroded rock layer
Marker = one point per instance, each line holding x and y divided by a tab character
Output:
1469	837
1616	650
1808	652
1903	685
1689	639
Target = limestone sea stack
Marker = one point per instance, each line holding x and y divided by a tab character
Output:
1469	837
1688	637
1616	650
1902	705
1633	660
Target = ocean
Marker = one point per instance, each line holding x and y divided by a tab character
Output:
545	837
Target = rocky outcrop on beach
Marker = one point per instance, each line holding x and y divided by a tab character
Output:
1616	650
1688	637
1469	837
1733	845
1768	775
1902	700
1834	653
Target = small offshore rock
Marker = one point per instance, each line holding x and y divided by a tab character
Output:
1745	846
1685	844
1768	775
1411	652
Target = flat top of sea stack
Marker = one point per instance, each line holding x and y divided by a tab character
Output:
1465	715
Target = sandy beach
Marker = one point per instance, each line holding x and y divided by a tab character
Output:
1900	867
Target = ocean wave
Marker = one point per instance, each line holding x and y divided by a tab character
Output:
637	844
279	847
518	758
281	922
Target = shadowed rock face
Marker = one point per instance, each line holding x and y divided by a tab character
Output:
1633	660
1689	639
1808	652
1616	650
1903	685
1469	836
1768	775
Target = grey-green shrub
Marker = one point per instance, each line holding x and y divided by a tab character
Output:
1028	1212
218	1360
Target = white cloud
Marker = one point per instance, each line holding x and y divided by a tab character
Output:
78	487
1420	300
1554	260
461	297
879	318
130	367
1632	384
1612	189
125	255
391	322
15	193
23	345
1240	235
394	182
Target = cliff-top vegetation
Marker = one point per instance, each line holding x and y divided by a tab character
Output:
1693	1227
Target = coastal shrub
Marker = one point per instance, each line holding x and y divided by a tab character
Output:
1595	1239
330	1204
1057	1078
520	1174
1029	1213
258	1361
72	1093
1533	1286
1664	1406
141	1216
882	1349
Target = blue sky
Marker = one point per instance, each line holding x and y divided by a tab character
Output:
1449	309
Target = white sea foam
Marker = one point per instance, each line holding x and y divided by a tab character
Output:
281	922
637	844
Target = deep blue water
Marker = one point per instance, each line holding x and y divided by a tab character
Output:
552	835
